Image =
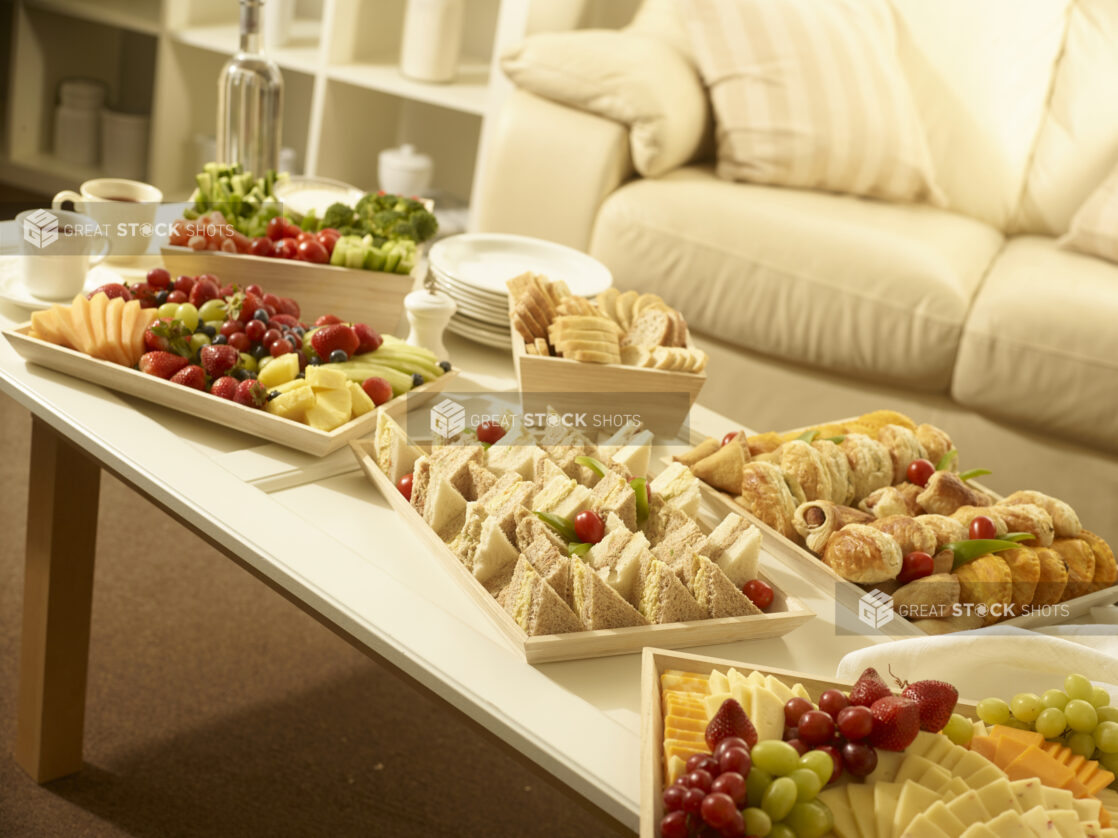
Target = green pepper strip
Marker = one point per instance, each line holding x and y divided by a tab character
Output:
579	548
1018	536
947	459
808	436
639	486
971	549
596	466
558	523
837	440
974	472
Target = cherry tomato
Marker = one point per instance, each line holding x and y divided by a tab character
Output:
304	236
726	439
262	246
915	565
404	485
276	229
291	230
490	432
983	527
158	278
286	248
589	527
328	237
311	250
919	471
759	593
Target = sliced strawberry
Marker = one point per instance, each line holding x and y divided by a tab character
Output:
869	687
896	721
204	289
332	337
225	387
218	359
111	290
191	376
936	701
367	338
730	720
250	393
161	364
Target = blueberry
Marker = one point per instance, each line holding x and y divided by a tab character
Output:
161	297
219	339
444	365
240	373
275	394
314	361
294	341
416	379
250	374
259	351
301	375
338	356
261	315
208	331
300	331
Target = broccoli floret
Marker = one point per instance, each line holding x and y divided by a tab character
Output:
338	215
424	223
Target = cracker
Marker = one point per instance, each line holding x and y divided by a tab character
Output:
541	347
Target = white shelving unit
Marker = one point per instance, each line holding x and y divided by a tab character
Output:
344	96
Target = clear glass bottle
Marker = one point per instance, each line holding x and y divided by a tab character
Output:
250	101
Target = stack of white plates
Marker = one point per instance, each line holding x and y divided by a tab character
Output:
473	268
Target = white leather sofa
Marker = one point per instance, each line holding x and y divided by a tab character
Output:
815	305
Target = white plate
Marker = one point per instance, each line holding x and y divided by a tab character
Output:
13	290
460	327
485	261
464	292
469	306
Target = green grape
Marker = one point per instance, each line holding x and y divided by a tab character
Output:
1100	697
248	362
820	763
1082	716
780	830
757	821
1054	698
755	784
1081	744
1106	737
959	729
776	757
197	341
1026	707
167	311
808	784
810	820
1051	723
1109	762
212	310
188	314
780	796
1108	714
993	711
1077	686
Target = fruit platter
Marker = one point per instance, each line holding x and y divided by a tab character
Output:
353	260
731	749
573	548
244	358
876	509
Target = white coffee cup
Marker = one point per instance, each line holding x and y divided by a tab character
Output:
124	208
57	249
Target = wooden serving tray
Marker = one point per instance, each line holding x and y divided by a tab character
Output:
785	614
653	663
228	413
357	296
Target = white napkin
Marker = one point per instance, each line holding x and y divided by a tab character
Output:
1002	665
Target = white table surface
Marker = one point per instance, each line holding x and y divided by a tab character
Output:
320	531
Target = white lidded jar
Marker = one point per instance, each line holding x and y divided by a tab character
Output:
432	40
404	171
429	311
77	121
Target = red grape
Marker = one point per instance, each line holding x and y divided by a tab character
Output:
699	779
255	330
832	702
726	439
674	825
760	593
860	759
184	283
917	565
855	723
240	342
177	297
703	761
735	828
158	278
673	794
983	527
919	471
730	783
269	337
718	809
736	760
230	328
693	800
589	527
729	742
279	347
404	485
800	746
790	733
490	432
255	290
794	708
816	728
836	758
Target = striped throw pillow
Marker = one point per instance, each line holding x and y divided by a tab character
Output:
810	94
1094	228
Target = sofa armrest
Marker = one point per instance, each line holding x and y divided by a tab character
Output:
547	169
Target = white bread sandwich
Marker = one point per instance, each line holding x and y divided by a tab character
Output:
613	494
391	449
636	454
678	487
535	605
735	546
562	496
617	559
551	564
445	508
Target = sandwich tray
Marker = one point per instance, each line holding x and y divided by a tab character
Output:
358	296
656	661
249	420
786	613
849	594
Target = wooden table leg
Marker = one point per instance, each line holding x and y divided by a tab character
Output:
57	599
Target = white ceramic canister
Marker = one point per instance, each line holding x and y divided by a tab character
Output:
432	40
124	144
404	171
77	121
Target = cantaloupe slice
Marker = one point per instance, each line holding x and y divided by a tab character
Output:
127	326
44	326
117	352
79	319
98	305
144	318
65	326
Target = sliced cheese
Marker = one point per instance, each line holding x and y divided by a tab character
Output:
1009	825
862	802
999	796
1027	793
941	816
884	805
968	808
838	801
912	801
923	827
767	714
984	776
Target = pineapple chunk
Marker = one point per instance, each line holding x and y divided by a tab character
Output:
324	378
362	404
279	371
293	404
331	409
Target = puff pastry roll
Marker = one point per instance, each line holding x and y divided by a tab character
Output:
842	481
1064	519
816	521
804	465
946	492
863	554
965	514
871	467
987	584
893	500
904	447
909	533
704	449
1024	567
946	530
1080	560
765	493
1028	517
1106	571
1053	578
936	443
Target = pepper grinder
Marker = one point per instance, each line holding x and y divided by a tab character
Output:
429	311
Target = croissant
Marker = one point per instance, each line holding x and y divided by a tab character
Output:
870	465
904	447
862	554
765	493
945	492
1024	567
1064	519
1106	571
804	465
936	443
965	514
1053	578
816	521
947	530
910	534
1028	517
842	481
892	500
1080	559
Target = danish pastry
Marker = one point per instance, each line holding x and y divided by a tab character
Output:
863	554
1064	519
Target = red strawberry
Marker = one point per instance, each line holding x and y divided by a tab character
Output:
227	290
218	359
145	294
161	364
204	289
283	320
250	393
869	688
111	290
225	387
935	700
327	320
191	376
168	336
367	338
286	305
730	720
334	336
896	721
249	306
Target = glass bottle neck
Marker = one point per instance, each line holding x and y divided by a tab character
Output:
250	26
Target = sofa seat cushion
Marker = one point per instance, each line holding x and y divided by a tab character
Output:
1040	347
857	286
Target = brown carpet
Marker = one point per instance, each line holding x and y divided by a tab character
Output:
216	708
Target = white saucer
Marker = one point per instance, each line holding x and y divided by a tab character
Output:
13	290
467	330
